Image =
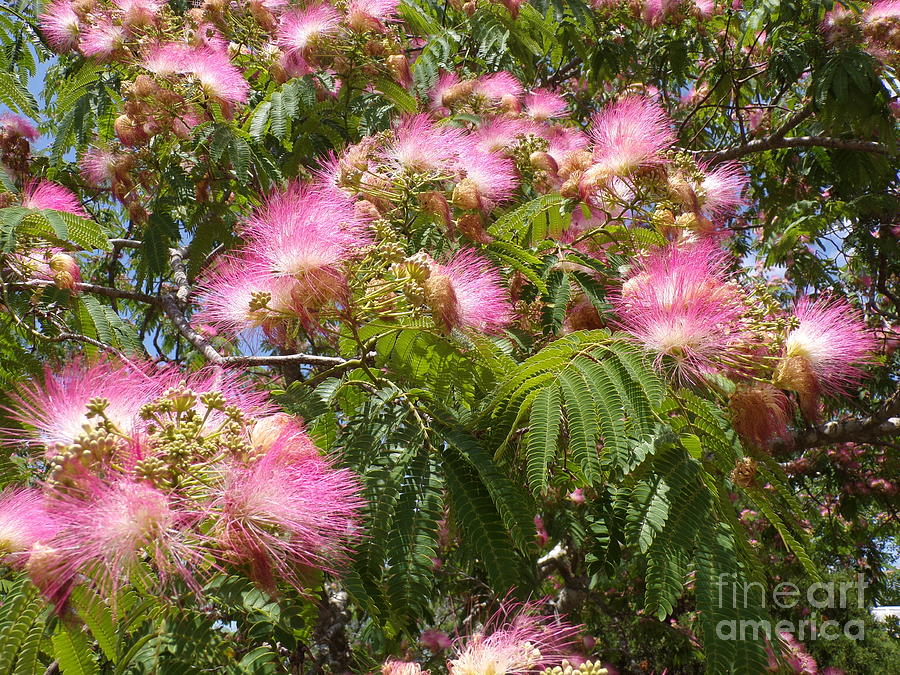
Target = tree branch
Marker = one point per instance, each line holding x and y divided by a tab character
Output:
170	307
284	359
180	275
91	288
774	142
885	422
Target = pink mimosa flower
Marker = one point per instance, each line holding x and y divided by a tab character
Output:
833	340
19	126
24	521
102	40
370	15
300	28
282	513
44	194
467	292
104	531
722	189
542	104
489	179
217	76
241	292
515	640
55	410
100	166
500	133
447	84
308	235
885	9
419	145
680	305
61	25
498	85
630	134
402	668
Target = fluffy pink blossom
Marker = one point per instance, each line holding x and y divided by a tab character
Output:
60	25
107	528
435	640
139	12
885	9
489	178
393	667
542	104
44	194
445	84
102	40
100	166
833	340
55	410
680	306
370	15
515	640
24	521
630	134
722	190
281	513
500	133
656	11
299	28
563	141
230	295
467	292
217	76
18	126
496	86
418	144
308	235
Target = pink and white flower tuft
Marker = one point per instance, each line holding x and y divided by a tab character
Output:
515	640
282	513
105	530
102	40
55	410
24	521
217	76
61	25
300	28
832	339
44	194
18	126
631	134
680	305
308	234
489	180
722	190
467	292
496	86
239	293
370	15
420	145
543	104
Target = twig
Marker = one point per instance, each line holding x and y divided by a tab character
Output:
126	243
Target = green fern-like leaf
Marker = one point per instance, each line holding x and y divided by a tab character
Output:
99	619
543	436
73	652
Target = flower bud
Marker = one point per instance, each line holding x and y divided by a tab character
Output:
398	65
65	271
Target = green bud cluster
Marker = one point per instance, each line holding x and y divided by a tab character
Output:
91	448
566	668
